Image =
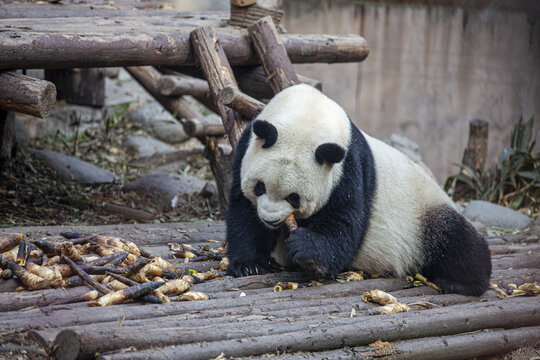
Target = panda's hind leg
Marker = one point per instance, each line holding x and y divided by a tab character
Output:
456	256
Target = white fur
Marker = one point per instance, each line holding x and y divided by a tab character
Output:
304	119
404	192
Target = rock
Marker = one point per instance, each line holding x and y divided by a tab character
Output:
64	117
159	122
175	167
405	145
141	146
495	215
167	191
124	89
71	168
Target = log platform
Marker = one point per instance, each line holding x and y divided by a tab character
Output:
246	318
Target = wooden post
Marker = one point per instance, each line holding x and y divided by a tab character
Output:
245	15
240	102
7	135
218	73
210	125
176	85
220	163
27	95
268	46
475	154
79	86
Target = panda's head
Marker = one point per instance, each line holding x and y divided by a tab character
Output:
295	155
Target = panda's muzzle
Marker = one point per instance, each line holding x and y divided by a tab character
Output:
272	224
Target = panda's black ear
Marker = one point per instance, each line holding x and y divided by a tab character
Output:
266	131
330	153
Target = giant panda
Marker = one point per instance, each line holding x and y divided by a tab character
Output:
359	203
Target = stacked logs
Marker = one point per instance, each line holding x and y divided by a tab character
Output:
116	269
249	317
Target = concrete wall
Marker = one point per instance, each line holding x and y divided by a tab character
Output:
431	69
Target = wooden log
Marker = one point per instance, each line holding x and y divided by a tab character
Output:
209	125
26	95
463	346
129	213
217	71
362	331
136	41
17	301
245	16
277	65
243	3
216	325
16	10
475	154
174	85
79	86
7	135
251	79
67	317
240	102
88	341
516	261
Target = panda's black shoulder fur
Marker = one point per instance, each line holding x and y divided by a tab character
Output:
313	245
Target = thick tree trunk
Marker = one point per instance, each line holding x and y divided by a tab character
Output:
79	86
276	63
27	95
143	40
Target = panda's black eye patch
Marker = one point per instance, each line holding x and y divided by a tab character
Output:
294	200
260	189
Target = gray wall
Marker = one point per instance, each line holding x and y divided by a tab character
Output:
430	70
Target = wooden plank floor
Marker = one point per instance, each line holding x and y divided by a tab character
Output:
246	318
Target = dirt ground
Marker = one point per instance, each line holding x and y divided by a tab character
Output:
32	194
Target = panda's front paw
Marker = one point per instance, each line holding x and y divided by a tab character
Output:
239	267
302	249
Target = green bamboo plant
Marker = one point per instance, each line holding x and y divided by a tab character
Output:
514	181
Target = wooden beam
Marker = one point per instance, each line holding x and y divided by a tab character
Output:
251	79
175	85
27	95
146	40
210	125
240	102
79	86
7	135
218	73
247	16
475	154
272	53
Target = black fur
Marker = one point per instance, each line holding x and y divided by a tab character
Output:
456	257
329	153
326	242
266	131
